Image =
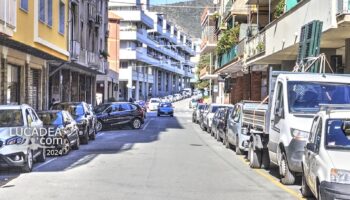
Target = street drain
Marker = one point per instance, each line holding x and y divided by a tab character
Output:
196	145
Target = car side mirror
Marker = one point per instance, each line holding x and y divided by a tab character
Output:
311	147
279	112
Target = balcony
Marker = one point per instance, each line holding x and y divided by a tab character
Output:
282	35
8	15
93	59
134	34
228	57
136	16
255	46
75	51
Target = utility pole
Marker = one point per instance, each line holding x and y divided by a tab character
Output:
210	66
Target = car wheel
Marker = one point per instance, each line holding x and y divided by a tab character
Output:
28	166
287	177
77	144
305	189
171	115
42	156
85	137
99	126
237	149
66	146
136	123
217	136
158	114
93	134
254	157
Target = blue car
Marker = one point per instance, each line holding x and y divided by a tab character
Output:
165	109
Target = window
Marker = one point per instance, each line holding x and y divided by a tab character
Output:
13	85
42	10
237	114
62	18
45	12
49	12
124	107
24	5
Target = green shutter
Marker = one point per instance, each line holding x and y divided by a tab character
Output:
309	45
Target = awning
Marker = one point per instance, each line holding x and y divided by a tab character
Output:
233	67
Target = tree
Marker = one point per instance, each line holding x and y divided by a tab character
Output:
204	63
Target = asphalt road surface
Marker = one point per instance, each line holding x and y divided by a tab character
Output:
169	158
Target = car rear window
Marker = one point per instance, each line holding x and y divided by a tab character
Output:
154	101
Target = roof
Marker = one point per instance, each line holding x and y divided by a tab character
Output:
313	77
112	15
14	107
50	111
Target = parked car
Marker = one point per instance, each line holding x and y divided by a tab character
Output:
165	109
222	126
83	116
202	116
196	112
65	128
193	103
153	104
119	114
215	123
237	134
18	149
326	168
207	120
143	105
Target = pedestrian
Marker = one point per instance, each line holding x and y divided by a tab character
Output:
53	100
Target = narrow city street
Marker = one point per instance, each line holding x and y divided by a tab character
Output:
169	158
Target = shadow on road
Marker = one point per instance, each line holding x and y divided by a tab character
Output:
107	142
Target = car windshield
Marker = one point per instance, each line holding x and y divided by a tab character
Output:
306	97
11	118
51	118
73	109
338	134
154	101
201	107
215	108
165	105
101	108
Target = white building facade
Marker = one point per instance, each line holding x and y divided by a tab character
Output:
154	55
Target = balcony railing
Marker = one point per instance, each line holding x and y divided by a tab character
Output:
343	7
203	72
228	56
92	59
8	13
75	52
256	45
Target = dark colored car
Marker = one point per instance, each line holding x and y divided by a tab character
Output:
83	116
165	109
222	126
62	129
202	115
118	114
215	123
196	112
143	105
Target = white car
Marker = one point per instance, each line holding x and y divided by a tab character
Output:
208	118
18	140
153	104
326	164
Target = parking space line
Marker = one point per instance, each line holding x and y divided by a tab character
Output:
262	173
144	128
45	163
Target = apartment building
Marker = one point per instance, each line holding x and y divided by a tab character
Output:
154	54
269	38
32	33
87	31
108	85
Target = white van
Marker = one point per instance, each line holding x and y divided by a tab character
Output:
326	164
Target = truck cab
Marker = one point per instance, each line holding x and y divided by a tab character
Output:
296	99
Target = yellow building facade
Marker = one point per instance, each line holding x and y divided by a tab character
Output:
36	34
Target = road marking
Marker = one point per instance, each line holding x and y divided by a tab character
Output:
45	163
262	173
100	134
144	128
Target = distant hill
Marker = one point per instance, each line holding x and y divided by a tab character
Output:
187	19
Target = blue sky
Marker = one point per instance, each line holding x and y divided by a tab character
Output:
165	1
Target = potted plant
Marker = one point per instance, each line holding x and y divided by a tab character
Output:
104	54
